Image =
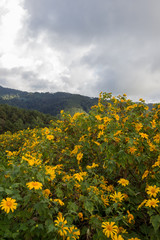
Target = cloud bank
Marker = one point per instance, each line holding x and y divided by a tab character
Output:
81	47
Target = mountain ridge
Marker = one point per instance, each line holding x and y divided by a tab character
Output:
48	103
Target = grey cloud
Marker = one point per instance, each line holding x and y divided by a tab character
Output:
121	40
20	79
92	19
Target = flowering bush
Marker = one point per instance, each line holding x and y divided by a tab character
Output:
90	176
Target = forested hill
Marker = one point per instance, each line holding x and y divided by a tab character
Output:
51	103
14	119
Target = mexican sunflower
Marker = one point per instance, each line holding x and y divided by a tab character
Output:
8	204
35	185
109	229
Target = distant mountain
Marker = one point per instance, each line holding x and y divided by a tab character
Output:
48	103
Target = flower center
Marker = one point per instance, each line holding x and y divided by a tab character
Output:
8	203
34	184
110	228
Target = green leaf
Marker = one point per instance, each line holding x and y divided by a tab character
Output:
8	191
50	227
70	219
95	222
40	177
155	220
2	168
72	206
17	197
1	189
59	193
14	235
23	227
15	185
89	206
108	210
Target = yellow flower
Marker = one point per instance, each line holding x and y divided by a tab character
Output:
76	115
117	197
50	137
7	176
109	229
35	185
80	215
97	143
152	190
130	217
8	204
50	171
106	120
145	174
134	238
118	132
157	138
110	188
75	150
127	139
66	178
123	182
116	117
94	189
121	230
79	157
46	192
117	237
103	186
59	201
98	117
152	202
157	163
78	176
132	150
138	126
152	147
82	139
9	153
74	232
10	162
141	100
153	124
105	200
142	203
143	135
100	134
101	126
60	223
31	160
92	166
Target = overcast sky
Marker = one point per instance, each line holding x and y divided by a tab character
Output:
81	46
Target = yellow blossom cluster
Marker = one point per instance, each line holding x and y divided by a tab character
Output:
86	176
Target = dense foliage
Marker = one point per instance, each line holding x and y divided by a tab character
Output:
90	176
14	119
48	103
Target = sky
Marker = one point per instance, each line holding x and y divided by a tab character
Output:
82	47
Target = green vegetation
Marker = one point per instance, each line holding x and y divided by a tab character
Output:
47	103
14	119
87	176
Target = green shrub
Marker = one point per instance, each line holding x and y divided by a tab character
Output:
90	176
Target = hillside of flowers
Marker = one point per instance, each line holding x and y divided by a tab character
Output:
90	176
